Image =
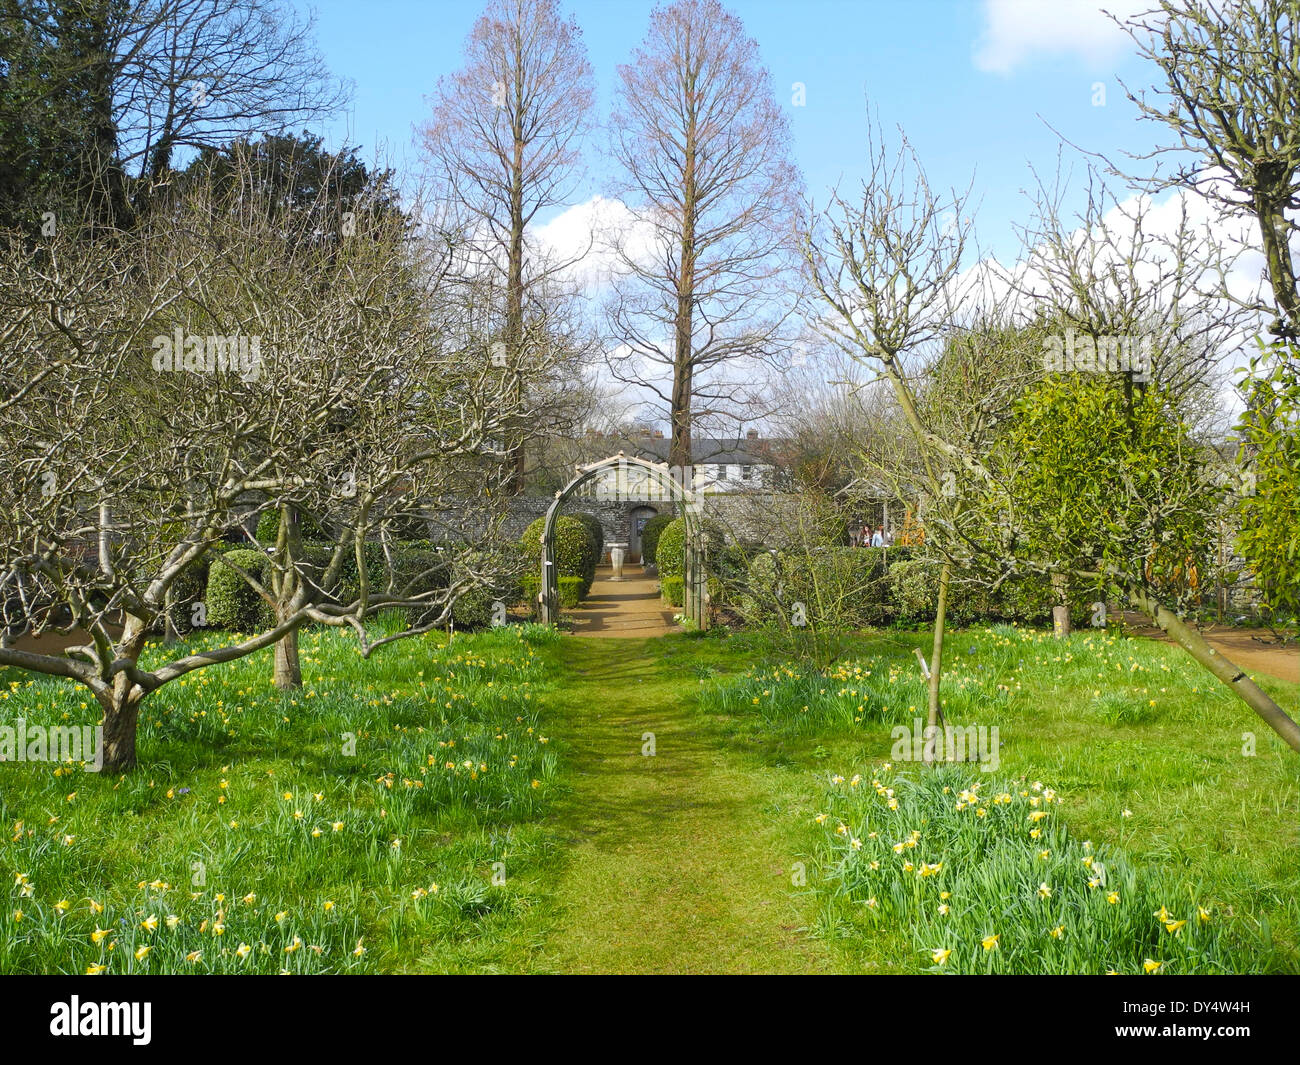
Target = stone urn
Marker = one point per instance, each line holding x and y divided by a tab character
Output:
617	552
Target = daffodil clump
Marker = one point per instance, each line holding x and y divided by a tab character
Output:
330	829
982	877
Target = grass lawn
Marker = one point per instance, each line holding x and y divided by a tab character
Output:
520	801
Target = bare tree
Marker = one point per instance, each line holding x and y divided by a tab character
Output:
214	363
130	83
885	269
704	150
1231	99
505	141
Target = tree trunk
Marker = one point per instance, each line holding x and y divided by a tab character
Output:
1246	689
121	705
1061	606
935	717
120	702
288	672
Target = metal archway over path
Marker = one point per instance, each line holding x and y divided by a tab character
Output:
626	472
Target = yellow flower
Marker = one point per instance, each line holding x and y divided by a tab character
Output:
939	956
250	898
1174	927
337	826
1151	966
150	923
1055	933
172	920
991	942
295	945
328	906
287	796
943	909
62	906
243	950
98	935
1113	897
194	956
95	907
1044	892
1162	914
142	953
359	950
94	970
1202	914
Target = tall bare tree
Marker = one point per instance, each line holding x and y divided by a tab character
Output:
1231	99
704	152
505	140
228	358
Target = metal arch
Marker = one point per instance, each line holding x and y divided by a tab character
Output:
694	574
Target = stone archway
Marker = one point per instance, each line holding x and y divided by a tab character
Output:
648	477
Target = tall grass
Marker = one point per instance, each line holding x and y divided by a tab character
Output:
346	826
985	878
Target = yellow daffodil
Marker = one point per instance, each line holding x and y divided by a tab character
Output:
991	942
939	956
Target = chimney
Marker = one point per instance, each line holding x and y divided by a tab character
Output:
659	434
752	434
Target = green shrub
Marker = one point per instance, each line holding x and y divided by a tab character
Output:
670	552
650	534
268	527
571	593
672	590
838	587
574	549
913	588
232	602
597	533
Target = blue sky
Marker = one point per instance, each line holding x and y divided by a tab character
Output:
974	83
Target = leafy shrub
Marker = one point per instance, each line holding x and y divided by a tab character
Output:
650	534
672	590
838	587
268	527
597	533
232	602
575	551
913	588
571	592
670	551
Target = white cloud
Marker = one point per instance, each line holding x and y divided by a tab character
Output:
1019	31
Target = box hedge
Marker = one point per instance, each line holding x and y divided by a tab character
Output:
232	602
575	550
650	534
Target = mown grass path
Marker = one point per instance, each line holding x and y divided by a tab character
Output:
676	862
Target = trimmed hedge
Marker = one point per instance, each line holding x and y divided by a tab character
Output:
650	534
597	533
670	552
575	551
268	527
232	602
673	590
571	592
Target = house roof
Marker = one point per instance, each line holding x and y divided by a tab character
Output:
738	451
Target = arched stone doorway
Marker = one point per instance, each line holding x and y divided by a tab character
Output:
636	520
634	478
